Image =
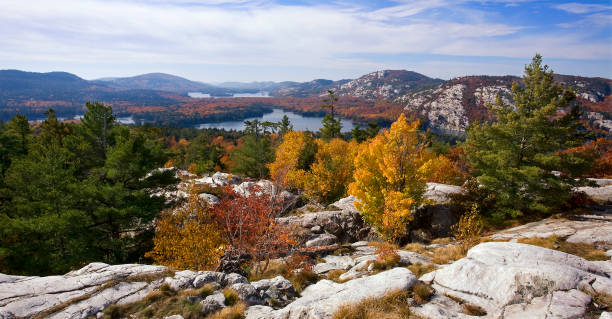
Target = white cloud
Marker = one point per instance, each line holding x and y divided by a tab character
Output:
255	33
581	8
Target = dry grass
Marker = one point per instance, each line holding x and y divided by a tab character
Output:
234	312
586	251
416	247
473	310
302	279
442	241
393	305
334	275
231	297
444	255
422	293
419	269
468	308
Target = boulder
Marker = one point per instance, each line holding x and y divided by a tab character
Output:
181	280
210	199
440	193
247	293
277	291
233	278
223	179
208	277
322	299
606	315
213	303
509	278
346	225
321	240
346	203
602	194
333	263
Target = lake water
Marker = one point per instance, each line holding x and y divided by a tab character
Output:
122	120
200	95
299	122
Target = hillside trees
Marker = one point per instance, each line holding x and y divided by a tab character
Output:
66	203
515	158
293	159
204	156
332	170
390	178
252	157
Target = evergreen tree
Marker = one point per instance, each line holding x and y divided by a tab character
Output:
331	127
252	157
515	158
203	155
285	126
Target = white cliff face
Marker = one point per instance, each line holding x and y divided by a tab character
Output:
488	95
443	107
599	120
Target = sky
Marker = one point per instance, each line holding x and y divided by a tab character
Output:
300	40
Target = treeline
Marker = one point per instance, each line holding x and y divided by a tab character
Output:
72	194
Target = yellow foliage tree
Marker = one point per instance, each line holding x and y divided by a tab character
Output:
390	178
293	159
187	238
332	170
443	170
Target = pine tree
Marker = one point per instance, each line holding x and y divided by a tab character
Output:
515	158
331	127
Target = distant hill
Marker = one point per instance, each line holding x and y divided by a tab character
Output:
453	105
267	86
31	93
305	89
163	82
386	84
447	107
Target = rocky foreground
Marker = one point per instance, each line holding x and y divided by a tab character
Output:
499	278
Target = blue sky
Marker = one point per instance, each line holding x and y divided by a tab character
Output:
261	40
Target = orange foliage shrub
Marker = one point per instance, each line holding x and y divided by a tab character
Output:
187	238
249	226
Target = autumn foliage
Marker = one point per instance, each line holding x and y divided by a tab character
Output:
249	226
187	237
390	178
196	235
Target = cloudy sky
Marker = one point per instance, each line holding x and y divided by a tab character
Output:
249	40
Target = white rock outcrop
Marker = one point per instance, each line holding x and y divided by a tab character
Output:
512	280
322	299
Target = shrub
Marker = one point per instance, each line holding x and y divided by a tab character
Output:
231	297
187	238
390	178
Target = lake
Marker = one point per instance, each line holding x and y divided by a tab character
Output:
299	122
